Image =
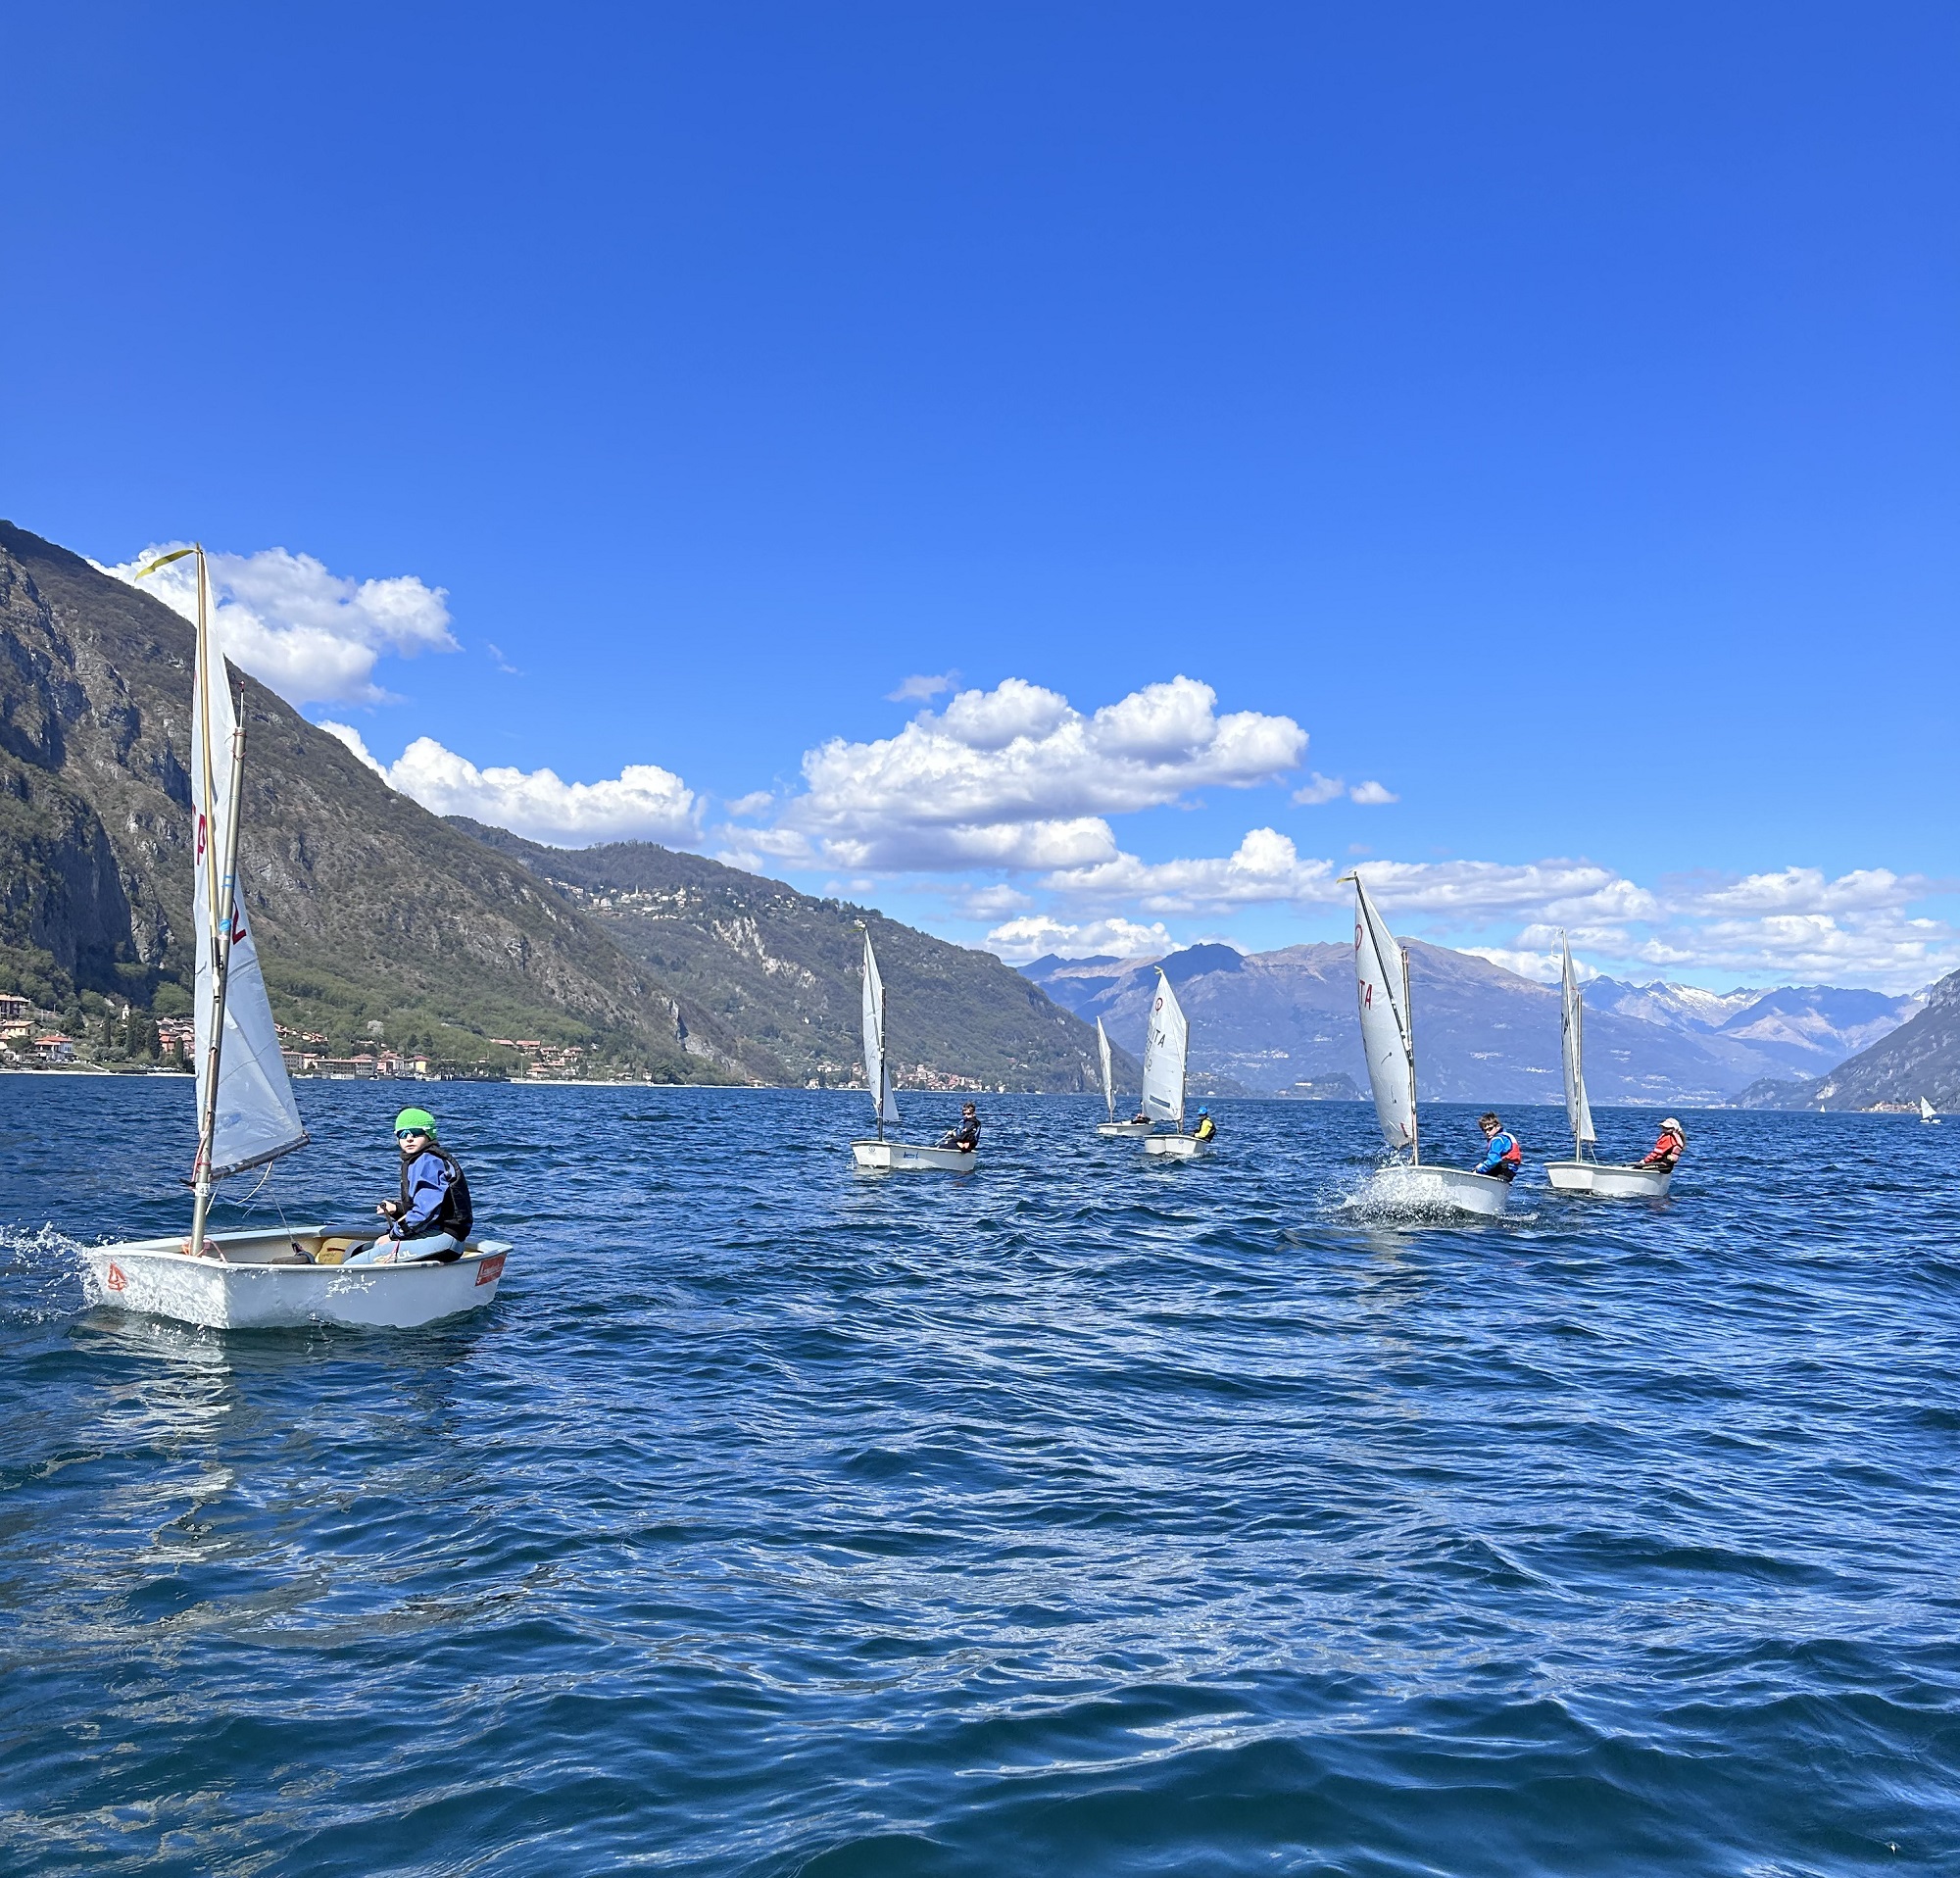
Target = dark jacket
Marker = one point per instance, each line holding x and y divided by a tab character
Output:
435	1197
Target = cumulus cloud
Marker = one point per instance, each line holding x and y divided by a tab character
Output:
1372	795
1020	940
1017	778
311	635
757	803
643	802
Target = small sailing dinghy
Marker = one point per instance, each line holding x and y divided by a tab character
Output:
246	1113
1925	1110
1167	1051
1580	1175
1112	1126
877	1152
1387	1040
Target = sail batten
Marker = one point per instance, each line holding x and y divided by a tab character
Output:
1108	1069
877	1078
1387	1038
254	1118
1578	1111
1166	1046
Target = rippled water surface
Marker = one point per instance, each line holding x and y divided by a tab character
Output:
1088	1514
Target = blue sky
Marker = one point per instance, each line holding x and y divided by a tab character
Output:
1552	411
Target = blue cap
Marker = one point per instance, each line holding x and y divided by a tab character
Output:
1205	1111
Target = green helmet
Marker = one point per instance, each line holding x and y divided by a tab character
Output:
415	1118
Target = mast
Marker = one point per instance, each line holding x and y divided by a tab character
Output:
1415	1129
222	885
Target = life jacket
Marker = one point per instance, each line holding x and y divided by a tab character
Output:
1206	1130
1667	1150
455	1215
1513	1156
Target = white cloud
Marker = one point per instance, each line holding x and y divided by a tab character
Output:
1020	940
1267	867
1802	890
1543	968
1318	789
643	802
989	903
311	635
757	802
1017	778
921	688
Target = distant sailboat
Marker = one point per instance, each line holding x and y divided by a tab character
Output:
1388	1041
246	1113
1578	1174
1925	1110
1112	1126
1166	1054
877	1152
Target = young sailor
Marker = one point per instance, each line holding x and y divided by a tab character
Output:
1669	1148
965	1137
1505	1153
431	1218
1206	1129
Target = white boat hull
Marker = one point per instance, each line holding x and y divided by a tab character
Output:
900	1155
257	1283
1122	1131
1429	1190
1176	1147
1608	1183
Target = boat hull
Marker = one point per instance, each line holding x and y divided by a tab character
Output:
1122	1131
1176	1147
257	1284
905	1155
1608	1183
1429	1189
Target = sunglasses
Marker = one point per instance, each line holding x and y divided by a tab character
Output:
411	1134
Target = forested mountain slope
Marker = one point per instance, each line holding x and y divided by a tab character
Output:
780	971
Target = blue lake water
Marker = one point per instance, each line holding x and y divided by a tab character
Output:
1089	1515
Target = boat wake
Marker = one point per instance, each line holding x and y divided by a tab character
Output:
43	1276
1397	1193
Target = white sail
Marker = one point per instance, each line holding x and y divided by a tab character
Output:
884	1101
1579	1111
1108	1069
1387	1040
1925	1110
1165	1049
257	1119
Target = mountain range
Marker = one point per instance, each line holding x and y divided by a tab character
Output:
780	969
1283	1022
1921	1058
378	921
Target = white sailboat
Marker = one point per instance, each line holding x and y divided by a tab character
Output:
877	1152
1112	1126
1167	1051
1388	1041
246	1113
1580	1175
1926	1112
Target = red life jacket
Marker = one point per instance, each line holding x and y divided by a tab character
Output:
1515	1153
